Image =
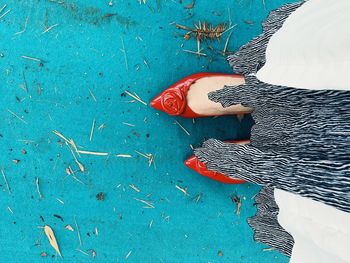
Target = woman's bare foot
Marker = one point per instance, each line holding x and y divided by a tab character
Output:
198	101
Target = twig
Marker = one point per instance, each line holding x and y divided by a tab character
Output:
226	43
24	28
124	52
134	96
4	14
38	188
92	129
148	156
198	197
32	58
195	52
15	115
5	179
25	82
182	189
59	200
129	124
183	128
93	153
135	188
78	231
128	255
49	28
2	8
81	166
83	252
123	155
148	203
92	95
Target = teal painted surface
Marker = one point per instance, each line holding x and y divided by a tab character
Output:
84	52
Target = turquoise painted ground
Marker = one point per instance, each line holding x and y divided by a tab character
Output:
79	74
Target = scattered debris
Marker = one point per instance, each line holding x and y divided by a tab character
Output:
59	217
52	239
268	249
5	13
15	115
203	31
182	189
238	201
83	252
59	200
124	52
135	188
136	97
198	197
69	227
78	232
100	196
5	179
129	124
123	155
148	203
92	129
93	153
93	253
148	156
32	58
37	187
92	95
49	28
183	128
128	255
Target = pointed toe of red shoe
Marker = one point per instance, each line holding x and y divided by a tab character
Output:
191	162
199	167
156	103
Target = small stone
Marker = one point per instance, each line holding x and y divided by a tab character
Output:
100	196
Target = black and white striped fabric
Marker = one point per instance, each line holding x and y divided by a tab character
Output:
299	143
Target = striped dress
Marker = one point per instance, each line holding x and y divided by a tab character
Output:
299	143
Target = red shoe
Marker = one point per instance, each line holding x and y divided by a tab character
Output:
173	100
198	166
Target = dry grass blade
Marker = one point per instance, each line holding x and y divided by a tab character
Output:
182	128
52	239
38	187
148	203
5	179
182	189
92	129
93	153
136	97
123	155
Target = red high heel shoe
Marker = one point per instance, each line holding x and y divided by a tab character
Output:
198	166
173	100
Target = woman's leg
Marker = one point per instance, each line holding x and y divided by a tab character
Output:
198	101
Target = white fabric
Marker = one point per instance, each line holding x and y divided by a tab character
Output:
312	50
321	232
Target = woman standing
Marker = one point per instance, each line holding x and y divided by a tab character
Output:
294	80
